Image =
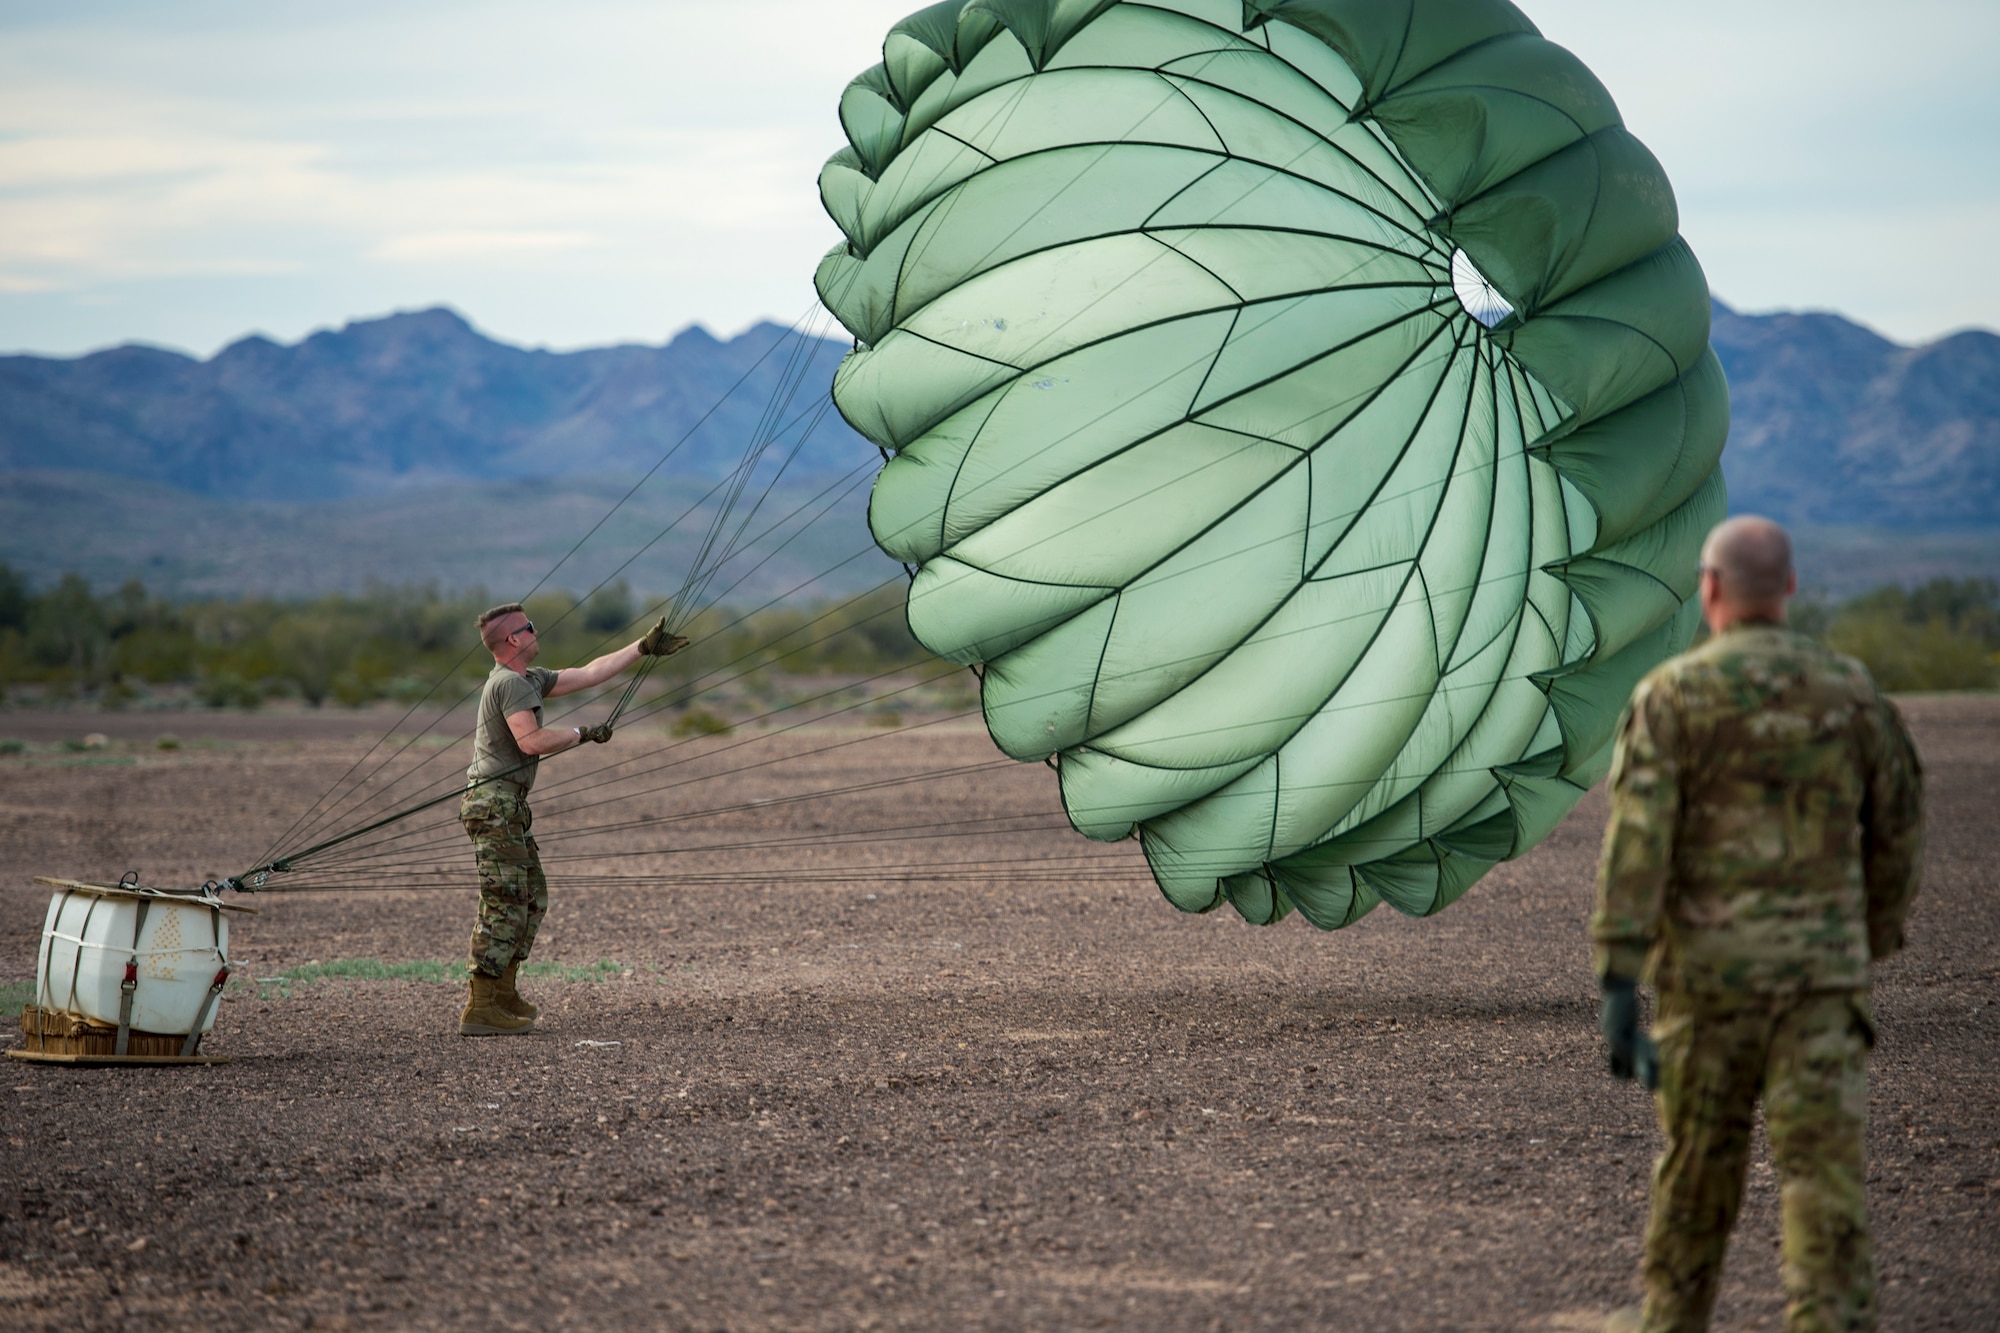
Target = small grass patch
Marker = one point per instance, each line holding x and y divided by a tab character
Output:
431	970
14	995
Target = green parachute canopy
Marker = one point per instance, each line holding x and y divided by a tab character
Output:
1302	408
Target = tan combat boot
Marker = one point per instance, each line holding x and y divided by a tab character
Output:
511	998
485	1015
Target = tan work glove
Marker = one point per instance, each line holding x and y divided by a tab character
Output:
659	643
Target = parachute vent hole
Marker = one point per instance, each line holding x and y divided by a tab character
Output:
1481	299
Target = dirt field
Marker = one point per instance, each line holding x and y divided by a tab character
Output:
843	1076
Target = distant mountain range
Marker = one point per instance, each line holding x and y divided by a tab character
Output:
1835	429
408	400
1831	423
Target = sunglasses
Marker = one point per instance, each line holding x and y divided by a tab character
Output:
528	628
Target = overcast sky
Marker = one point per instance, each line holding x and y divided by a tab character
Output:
595	171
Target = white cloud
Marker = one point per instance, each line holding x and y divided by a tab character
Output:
435	246
616	169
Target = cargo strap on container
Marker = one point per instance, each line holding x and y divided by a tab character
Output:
130	985
193	1043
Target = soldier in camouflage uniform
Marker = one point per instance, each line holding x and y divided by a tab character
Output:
508	744
1762	850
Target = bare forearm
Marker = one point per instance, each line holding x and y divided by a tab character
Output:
544	741
595	672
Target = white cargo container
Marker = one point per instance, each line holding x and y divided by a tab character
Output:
144	963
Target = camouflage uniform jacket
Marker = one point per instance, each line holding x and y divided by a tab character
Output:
1766	815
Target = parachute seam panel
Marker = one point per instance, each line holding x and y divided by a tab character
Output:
1103	649
1147	231
1181	93
1187	413
1403	449
1147	439
1306	717
1533	34
1420	233
1277	793
1464	425
1512	92
1416	563
1424	231
1152	766
1578	417
1224	283
944	510
1341	150
1043	583
1222	518
1514	620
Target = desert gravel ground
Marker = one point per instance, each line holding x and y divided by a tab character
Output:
833	1074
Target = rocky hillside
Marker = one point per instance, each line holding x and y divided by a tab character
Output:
409	400
1832	424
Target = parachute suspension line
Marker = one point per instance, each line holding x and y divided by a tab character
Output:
705	568
862	551
696	595
689	601
287	862
707	562
754	740
852	476
857	554
684	605
305	819
254	877
1069	868
683	816
409	774
906	832
323	810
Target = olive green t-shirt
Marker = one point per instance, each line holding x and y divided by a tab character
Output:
494	752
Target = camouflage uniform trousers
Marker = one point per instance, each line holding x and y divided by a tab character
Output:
1806	1056
513	893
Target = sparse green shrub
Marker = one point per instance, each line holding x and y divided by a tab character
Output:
701	722
609	609
410	689
13	745
1901	656
226	689
166	741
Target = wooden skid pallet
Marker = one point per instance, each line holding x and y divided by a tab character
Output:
57	1037
83	1058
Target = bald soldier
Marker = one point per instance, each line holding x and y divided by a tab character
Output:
1762	850
508	744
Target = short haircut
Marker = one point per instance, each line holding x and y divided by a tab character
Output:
1753	558
490	633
